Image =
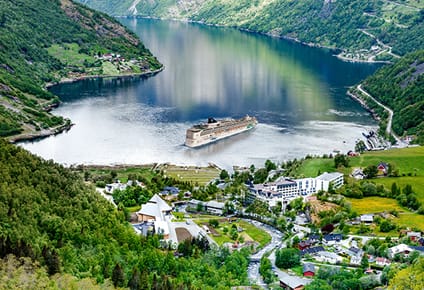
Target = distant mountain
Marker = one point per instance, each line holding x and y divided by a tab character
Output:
46	41
365	30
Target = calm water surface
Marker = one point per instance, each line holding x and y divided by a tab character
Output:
297	93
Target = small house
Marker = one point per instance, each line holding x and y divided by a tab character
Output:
401	249
380	261
383	168
413	236
332	239
308	270
367	219
328	257
289	282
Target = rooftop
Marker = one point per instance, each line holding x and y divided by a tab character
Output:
329	176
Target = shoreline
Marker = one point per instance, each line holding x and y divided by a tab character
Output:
87	77
269	34
34	135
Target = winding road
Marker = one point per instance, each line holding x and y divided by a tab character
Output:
389	121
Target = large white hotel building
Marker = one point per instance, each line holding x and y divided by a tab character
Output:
285	189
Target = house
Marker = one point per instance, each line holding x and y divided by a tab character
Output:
353	251
355	260
289	282
413	236
212	206
358	174
367	218
383	168
215	207
332	239
400	249
170	190
308	270
328	257
313	250
111	187
304	245
314	238
380	261
156	210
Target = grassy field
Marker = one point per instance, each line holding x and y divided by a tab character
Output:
406	160
378	204
311	167
195	175
250	232
374	204
69	54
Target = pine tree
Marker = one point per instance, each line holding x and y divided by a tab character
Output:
118	276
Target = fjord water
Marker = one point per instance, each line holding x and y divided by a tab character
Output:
297	93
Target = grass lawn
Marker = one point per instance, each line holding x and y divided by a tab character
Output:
109	69
69	54
250	232
311	167
407	160
379	204
134	208
195	175
374	204
411	220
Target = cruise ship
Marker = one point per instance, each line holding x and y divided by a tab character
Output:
215	130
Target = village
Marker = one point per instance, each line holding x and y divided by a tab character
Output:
289	218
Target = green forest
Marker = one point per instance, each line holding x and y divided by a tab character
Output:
68	231
31	35
401	87
337	24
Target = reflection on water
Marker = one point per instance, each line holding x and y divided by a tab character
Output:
297	93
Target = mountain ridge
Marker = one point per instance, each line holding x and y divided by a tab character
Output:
45	42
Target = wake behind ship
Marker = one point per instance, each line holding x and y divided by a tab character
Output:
215	130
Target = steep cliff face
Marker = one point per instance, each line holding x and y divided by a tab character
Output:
48	41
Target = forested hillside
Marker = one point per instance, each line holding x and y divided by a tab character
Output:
48	41
365	30
401	87
48	214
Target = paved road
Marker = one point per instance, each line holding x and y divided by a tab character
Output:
106	196
389	122
276	242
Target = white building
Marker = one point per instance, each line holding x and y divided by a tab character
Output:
285	189
156	210
325	179
328	257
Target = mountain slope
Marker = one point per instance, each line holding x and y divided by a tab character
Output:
48	41
48	214
401	87
367	31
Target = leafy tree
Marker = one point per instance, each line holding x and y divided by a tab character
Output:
260	175
370	171
265	269
386	226
287	258
269	165
341	160
409	278
224	175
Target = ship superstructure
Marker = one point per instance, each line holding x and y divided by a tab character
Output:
215	130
